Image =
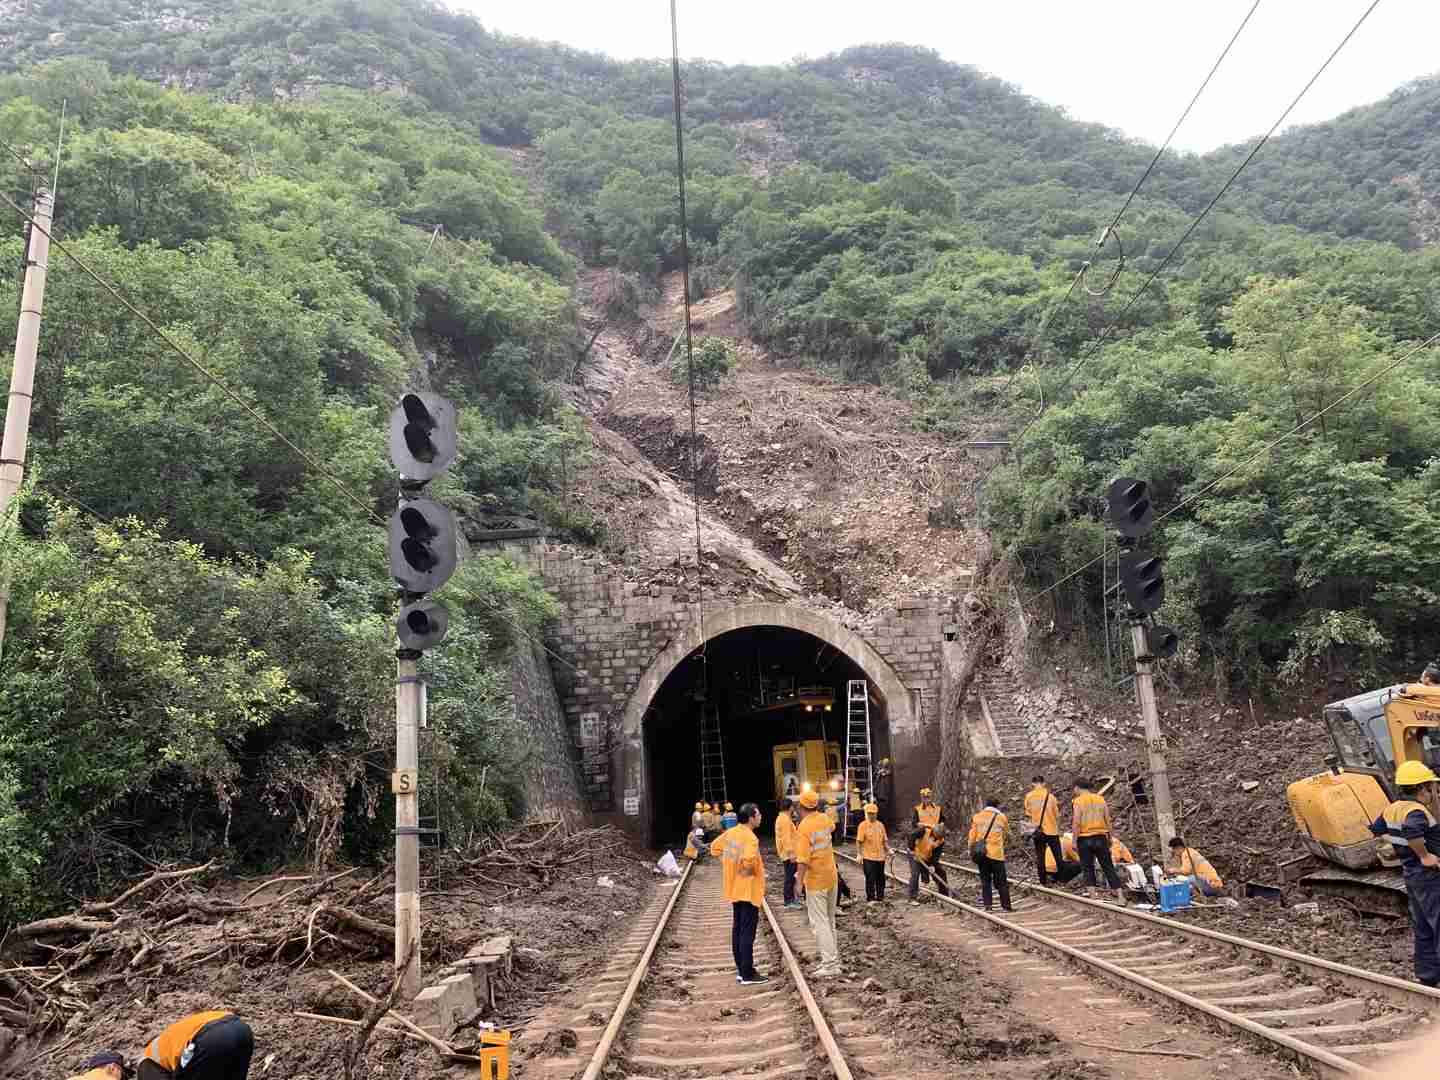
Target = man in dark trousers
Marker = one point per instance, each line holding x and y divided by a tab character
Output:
1042	820
743	882
1409	826
987	843
1091	821
215	1045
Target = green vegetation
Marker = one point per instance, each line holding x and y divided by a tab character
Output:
882	214
714	361
200	640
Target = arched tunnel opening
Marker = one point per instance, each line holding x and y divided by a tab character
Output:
780	700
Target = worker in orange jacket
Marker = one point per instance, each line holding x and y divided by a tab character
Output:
106	1065
1119	853
1068	868
987	844
872	841
1091	818
1185	861
214	1045
785	849
743	882
1042	823
818	881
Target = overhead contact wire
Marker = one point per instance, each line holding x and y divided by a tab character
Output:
1195	224
1257	455
689	337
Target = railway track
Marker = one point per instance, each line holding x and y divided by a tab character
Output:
1339	1019
668	1002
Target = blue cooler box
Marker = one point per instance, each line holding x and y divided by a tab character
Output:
1174	895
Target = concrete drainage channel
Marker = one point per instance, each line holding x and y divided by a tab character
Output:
668	1001
1315	1010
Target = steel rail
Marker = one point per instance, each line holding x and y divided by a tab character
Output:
642	968
822	1026
1410	994
1332	1063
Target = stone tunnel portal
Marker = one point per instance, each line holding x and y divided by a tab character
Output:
769	687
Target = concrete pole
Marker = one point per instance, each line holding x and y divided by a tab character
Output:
1154	739
409	701
22	377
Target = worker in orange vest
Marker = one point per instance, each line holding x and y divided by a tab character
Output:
1119	853
106	1065
927	845
743	882
987	845
1185	861
785	849
213	1045
817	880
872	842
1042	822
1091	817
1068	867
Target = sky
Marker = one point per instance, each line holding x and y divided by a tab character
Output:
1131	64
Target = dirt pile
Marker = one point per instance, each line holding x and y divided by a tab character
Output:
262	949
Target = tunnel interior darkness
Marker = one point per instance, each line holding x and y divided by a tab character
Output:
749	671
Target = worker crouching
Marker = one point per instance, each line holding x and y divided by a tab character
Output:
872	841
987	848
1186	862
927	845
214	1045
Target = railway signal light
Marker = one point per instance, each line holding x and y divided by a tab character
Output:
1163	641
1130	509
424	545
422	625
1141	578
422	436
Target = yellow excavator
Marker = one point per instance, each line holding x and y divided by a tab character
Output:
1370	734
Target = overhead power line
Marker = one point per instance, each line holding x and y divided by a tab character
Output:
1105	332
1359	388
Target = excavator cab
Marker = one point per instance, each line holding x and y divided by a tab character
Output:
1371	733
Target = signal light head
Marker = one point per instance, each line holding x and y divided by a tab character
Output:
422	625
424	545
1163	642
1140	576
1130	509
422	435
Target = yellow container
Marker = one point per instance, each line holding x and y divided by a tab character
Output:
494	1055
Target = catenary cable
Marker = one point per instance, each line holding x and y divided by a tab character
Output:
1099	340
252	412
689	338
1365	384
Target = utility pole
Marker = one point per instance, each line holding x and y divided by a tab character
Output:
22	377
424	549
409	710
1144	587
1154	737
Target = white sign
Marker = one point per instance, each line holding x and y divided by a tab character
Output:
589	728
632	805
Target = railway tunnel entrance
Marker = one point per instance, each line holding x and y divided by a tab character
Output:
777	688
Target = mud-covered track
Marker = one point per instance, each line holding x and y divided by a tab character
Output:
673	1007
1338	1019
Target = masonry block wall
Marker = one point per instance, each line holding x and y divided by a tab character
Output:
552	785
612	630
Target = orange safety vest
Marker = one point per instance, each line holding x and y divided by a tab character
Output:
1192	863
1092	815
167	1048
871	839
928	815
785	836
991	825
1043	810
1119	853
1068	852
743	870
813	848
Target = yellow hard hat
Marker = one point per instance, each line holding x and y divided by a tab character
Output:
925	791
871	808
1411	773
809	799
729	807
699	806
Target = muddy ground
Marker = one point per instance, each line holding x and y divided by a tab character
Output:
560	921
1215	753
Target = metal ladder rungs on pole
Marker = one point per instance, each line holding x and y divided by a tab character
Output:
859	770
712	756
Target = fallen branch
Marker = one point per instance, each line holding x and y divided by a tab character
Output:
345	1021
1133	1050
443	1047
273	881
109	907
62	924
355	1046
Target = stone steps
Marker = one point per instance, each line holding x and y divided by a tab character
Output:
1013	732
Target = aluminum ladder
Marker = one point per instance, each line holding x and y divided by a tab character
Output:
712	756
859	769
